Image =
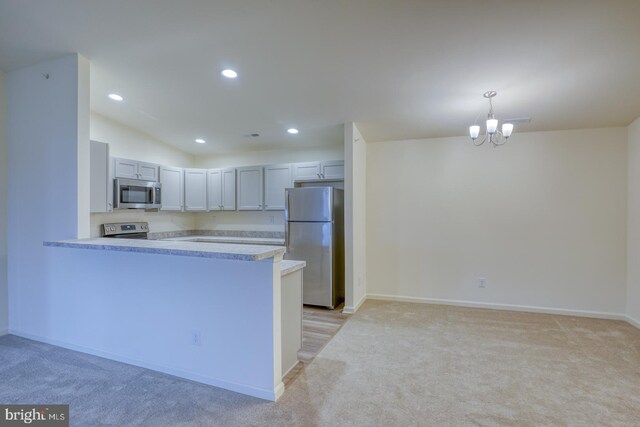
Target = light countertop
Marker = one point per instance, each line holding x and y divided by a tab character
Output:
288	266
242	252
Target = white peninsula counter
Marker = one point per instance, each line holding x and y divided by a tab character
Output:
209	312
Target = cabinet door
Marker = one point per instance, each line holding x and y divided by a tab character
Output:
125	168
99	177
172	188
147	171
276	179
195	190
332	170
214	189
229	189
304	171
250	189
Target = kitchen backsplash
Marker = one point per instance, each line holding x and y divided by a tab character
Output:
225	233
234	223
158	221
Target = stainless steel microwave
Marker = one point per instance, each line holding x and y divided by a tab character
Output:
136	194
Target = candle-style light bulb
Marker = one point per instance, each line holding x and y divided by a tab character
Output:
492	126
507	129
474	131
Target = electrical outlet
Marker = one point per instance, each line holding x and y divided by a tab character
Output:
196	338
482	282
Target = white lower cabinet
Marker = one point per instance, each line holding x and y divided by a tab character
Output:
172	188
276	179
291	319
221	189
195	190
250	190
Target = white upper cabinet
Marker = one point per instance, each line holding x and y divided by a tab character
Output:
305	171
126	169
172	188
195	190
229	189
276	179
148	171
214	189
250	188
332	170
329	170
131	169
221	189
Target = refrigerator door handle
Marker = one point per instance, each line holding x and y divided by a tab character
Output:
287	206
286	237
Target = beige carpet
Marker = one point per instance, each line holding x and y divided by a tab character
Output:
405	364
392	364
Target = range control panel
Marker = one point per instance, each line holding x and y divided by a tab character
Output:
124	228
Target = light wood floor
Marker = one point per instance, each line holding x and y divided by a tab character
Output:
319	325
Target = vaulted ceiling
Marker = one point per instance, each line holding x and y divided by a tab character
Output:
401	69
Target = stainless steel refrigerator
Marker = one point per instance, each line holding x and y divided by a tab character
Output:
314	232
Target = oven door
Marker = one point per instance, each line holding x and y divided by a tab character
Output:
135	194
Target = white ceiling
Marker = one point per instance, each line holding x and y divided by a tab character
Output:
400	68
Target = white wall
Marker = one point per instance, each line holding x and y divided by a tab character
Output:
130	143
148	316
355	209
257	221
633	225
44	136
83	150
543	218
254	158
4	295
240	220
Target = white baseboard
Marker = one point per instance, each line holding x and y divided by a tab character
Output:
261	393
494	306
351	310
4	332
634	322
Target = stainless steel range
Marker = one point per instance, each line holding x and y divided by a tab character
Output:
126	230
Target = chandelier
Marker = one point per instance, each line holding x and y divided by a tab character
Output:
494	135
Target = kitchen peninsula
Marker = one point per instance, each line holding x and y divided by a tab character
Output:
209	312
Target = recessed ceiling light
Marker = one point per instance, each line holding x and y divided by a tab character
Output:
200	141
292	131
115	97
230	74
